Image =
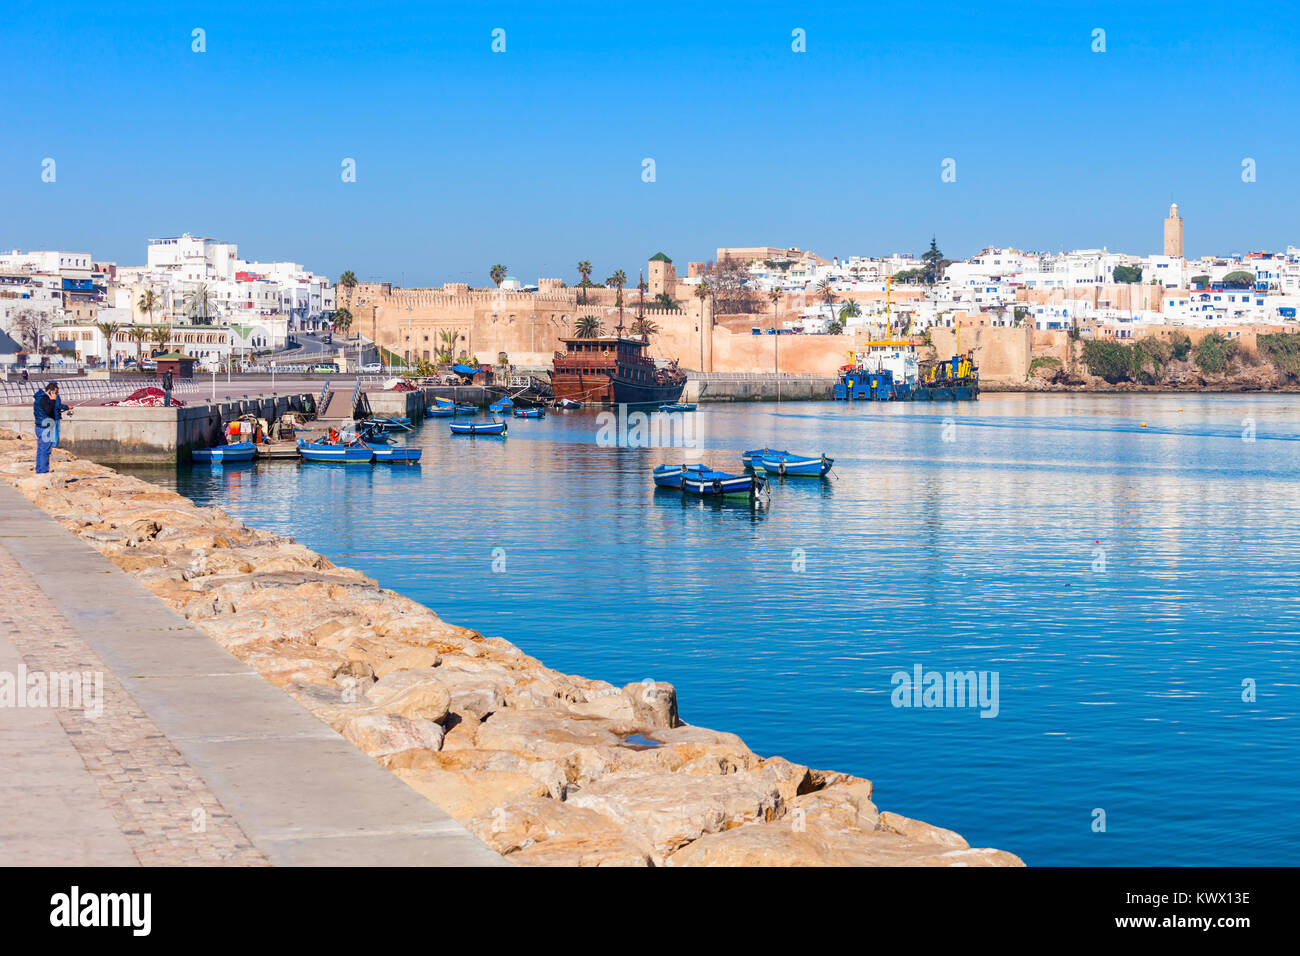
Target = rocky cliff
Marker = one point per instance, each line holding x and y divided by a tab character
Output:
547	768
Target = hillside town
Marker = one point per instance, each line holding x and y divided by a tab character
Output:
196	296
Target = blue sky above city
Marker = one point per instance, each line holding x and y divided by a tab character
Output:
533	157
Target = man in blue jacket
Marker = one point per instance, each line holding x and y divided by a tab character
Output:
48	410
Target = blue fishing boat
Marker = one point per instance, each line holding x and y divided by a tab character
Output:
501	404
568	403
678	407
440	411
753	459
794	466
466	409
670	476
240	451
396	453
478	428
331	451
719	484
529	413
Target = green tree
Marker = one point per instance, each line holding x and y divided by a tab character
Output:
584	270
199	304
826	289
645	328
108	330
349	282
619	279
497	274
447	344
1200	281
590	327
161	335
1213	353
1124	274
1239	280
138	334
909	276
935	263
849	310
148	303
342	320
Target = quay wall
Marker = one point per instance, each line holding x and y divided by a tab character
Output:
141	434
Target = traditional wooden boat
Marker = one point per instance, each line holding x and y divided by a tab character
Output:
719	484
530	413
440	411
351	454
500	405
613	370
670	476
568	403
396	453
753	459
794	466
239	451
478	428
678	407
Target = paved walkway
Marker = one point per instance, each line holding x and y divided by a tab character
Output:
195	758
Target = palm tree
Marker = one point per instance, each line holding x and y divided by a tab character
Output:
108	330
584	270
448	338
619	279
702	292
590	327
199	303
137	334
645	328
349	282
342	320
149	302
497	274
826	289
161	335
849	310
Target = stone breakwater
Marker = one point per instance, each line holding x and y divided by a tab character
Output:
547	768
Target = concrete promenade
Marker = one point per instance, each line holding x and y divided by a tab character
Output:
195	759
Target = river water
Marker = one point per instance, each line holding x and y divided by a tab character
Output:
1134	591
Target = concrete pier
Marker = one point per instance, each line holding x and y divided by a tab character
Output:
187	735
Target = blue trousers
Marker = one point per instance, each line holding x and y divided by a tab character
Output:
43	449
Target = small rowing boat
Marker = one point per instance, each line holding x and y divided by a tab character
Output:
529	413
478	428
239	451
719	484
794	466
351	454
500	405
670	476
567	403
396	453
441	411
753	459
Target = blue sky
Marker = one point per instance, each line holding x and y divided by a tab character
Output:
533	157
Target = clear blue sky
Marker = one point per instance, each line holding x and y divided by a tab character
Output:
533	157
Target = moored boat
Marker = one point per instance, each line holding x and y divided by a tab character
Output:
478	428
720	484
530	413
440	411
752	459
670	476
613	370
239	451
396	453
568	403
500	405
356	453
794	466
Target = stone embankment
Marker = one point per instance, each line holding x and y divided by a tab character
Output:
545	767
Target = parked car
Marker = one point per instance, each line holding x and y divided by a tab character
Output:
372	368
325	367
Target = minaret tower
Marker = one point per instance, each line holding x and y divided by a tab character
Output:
1174	233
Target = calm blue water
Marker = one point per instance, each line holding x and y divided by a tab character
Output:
1119	690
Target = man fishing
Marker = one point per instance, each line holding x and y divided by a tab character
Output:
48	411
